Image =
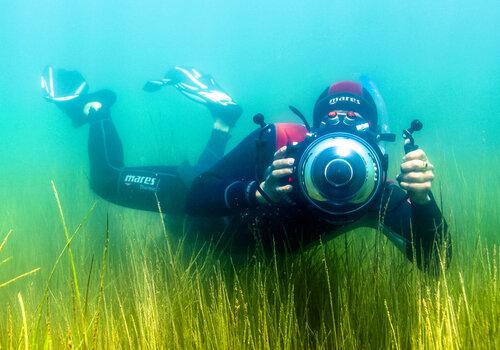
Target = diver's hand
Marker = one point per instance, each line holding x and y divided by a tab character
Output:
273	184
416	176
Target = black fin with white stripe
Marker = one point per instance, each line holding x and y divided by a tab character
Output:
201	88
60	85
68	90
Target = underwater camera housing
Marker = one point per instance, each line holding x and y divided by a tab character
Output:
339	168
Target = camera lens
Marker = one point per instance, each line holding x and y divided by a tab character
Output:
338	172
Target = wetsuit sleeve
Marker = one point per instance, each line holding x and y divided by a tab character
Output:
420	231
133	187
229	186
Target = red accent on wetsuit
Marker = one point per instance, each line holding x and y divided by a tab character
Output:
289	132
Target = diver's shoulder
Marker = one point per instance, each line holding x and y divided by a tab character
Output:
288	133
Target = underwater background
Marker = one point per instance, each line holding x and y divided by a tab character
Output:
438	61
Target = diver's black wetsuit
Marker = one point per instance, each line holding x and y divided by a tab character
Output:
227	189
142	187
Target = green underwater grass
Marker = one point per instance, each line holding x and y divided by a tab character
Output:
115	278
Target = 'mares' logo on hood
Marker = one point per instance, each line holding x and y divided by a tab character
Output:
344	99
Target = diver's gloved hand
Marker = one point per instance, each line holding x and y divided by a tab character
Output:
273	185
201	88
68	90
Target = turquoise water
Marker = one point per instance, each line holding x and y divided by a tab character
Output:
435	60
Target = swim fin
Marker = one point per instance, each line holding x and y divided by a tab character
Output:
59	85
201	88
68	90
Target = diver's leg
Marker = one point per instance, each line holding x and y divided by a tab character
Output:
214	150
105	151
135	187
203	89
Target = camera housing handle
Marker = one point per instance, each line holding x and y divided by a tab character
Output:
409	145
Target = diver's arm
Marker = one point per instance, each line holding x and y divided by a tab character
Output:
211	195
134	187
419	230
229	186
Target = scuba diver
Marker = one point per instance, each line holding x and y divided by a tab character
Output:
284	186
